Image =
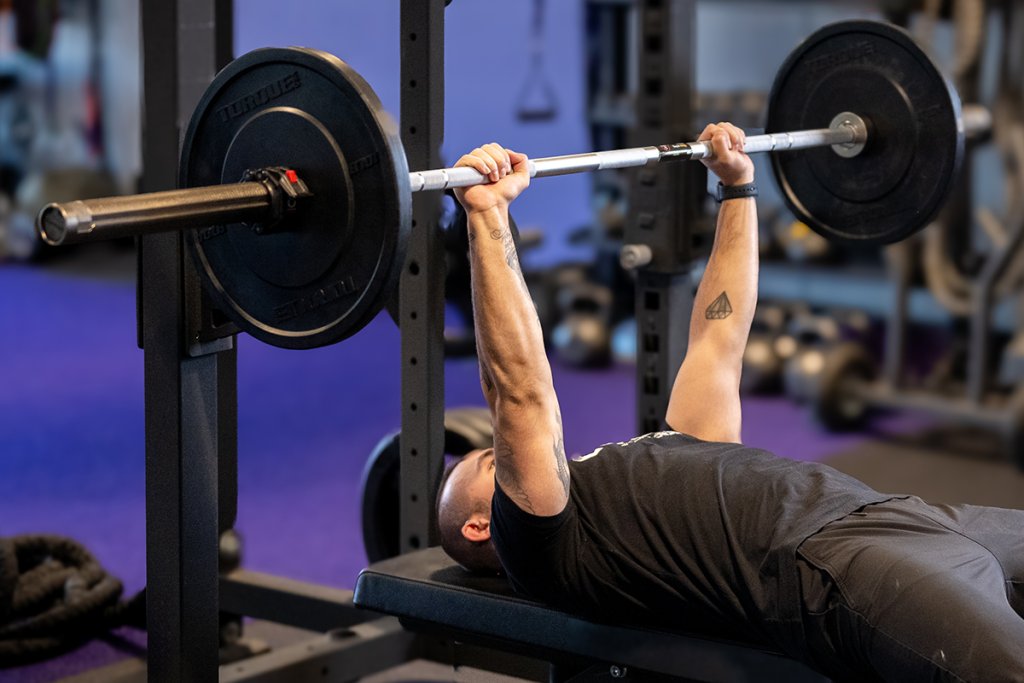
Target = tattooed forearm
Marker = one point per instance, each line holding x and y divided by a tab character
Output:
511	255
720	308
509	477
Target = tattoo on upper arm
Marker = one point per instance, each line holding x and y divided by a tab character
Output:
561	465
720	308
509	477
485	375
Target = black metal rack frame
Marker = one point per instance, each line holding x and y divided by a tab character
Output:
191	389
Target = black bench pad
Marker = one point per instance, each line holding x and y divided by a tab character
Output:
429	592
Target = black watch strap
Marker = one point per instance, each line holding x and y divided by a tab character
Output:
723	192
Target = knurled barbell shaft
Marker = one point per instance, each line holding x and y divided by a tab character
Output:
111	217
446	178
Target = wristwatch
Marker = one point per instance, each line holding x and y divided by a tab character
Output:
723	192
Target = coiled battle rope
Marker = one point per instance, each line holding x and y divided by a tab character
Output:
54	596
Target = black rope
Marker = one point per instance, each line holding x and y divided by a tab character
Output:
54	596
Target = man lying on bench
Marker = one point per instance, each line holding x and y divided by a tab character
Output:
689	529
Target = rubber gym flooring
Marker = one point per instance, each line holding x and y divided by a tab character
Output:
71	435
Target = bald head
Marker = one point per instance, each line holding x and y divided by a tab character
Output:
464	512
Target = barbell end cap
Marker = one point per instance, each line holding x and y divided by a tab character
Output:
976	121
60	223
858	133
633	256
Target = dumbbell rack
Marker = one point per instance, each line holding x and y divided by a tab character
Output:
884	294
977	402
890	294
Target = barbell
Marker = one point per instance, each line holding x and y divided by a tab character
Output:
264	196
298	196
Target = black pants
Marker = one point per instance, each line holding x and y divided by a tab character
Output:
906	591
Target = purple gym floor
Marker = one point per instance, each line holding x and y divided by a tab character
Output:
71	434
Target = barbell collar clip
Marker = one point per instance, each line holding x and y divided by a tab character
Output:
286	191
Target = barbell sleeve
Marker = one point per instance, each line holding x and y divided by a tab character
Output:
141	214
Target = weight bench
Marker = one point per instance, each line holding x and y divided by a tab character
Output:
431	594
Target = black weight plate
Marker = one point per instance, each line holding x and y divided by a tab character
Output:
896	185
465	429
381	495
330	269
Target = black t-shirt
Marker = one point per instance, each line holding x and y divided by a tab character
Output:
667	530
